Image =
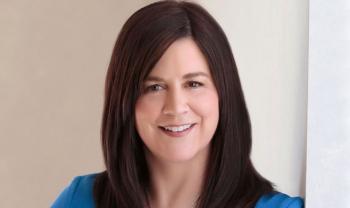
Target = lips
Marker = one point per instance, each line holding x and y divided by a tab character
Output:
179	133
176	125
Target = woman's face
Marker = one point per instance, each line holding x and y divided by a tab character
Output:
179	93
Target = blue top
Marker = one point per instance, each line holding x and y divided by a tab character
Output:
79	194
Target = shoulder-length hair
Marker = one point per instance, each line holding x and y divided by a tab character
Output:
230	178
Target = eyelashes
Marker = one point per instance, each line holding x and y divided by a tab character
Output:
157	87
153	88
196	84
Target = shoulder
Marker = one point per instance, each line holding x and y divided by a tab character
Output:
78	193
279	200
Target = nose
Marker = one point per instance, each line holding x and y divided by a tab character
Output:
176	103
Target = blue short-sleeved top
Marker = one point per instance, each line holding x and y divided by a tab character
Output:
79	194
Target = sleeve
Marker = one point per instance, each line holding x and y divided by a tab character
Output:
65	198
295	202
280	200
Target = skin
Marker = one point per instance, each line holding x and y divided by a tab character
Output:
177	164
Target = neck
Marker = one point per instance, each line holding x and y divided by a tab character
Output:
176	184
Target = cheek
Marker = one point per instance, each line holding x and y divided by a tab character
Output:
147	108
206	104
146	113
207	107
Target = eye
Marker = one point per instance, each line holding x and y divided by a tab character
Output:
153	88
194	84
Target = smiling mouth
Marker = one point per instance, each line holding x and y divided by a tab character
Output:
177	131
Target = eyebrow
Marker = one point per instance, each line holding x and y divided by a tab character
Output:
186	76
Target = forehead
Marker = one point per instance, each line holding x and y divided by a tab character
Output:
183	56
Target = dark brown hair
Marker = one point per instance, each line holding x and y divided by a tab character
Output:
231	180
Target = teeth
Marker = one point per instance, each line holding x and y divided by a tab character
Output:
179	128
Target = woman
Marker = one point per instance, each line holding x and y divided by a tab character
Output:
175	130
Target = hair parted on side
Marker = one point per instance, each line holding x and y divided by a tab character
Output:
231	180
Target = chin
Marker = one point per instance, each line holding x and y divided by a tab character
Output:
181	156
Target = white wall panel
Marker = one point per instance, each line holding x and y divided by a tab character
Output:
328	147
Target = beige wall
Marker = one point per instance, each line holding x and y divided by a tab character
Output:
53	59
54	56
